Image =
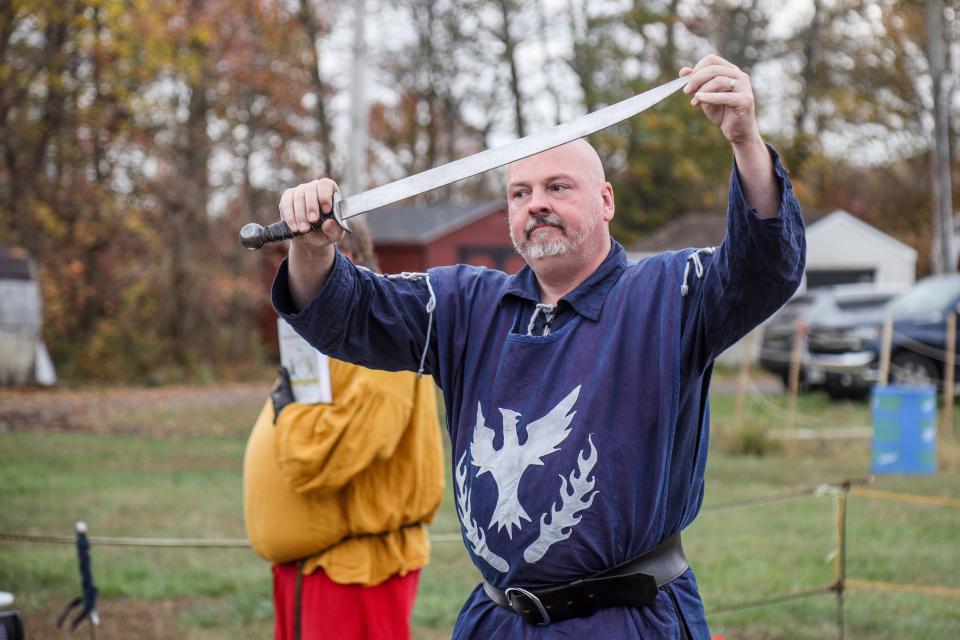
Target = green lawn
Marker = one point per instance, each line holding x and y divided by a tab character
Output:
130	484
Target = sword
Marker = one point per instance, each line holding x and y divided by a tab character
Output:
253	236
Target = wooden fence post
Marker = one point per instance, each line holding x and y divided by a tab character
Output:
799	329
840	559
885	349
948	371
744	377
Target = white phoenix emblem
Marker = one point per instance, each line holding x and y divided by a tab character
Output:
508	463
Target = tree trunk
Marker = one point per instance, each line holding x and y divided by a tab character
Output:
312	30
582	62
943	256
802	143
548	66
510	56
668	57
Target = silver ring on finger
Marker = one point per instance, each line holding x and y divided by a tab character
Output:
733	84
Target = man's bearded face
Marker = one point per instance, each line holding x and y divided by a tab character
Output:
545	235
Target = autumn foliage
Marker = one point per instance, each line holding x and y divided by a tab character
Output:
137	136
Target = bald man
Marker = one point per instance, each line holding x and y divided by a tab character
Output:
577	389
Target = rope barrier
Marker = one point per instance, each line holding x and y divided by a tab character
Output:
764	400
905	497
195	543
783	356
198	543
933	353
748	503
899	587
841	581
774	600
239	543
940	386
891	338
840	490
817	490
446	537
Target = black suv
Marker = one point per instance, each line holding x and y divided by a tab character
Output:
849	352
831	306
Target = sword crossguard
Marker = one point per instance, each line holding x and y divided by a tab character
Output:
253	236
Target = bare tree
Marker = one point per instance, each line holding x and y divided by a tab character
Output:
426	125
737	31
944	257
584	61
802	135
549	65
508	11
315	30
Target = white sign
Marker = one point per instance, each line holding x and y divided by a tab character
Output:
309	369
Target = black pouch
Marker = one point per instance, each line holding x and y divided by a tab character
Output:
11	626
282	393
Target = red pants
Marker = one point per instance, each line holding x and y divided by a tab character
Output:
331	611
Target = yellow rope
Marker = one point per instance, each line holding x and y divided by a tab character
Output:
892	586
905	497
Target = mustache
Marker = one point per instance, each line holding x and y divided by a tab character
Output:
541	219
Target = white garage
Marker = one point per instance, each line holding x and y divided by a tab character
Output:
840	249
843	249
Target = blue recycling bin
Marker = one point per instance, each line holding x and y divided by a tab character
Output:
904	429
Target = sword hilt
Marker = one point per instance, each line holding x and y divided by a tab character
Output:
253	236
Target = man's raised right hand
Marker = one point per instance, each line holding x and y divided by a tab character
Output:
301	206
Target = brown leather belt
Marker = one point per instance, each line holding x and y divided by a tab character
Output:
632	584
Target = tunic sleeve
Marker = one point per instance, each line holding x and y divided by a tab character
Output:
753	273
371	320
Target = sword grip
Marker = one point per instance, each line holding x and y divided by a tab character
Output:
253	236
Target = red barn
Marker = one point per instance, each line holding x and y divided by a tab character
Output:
415	238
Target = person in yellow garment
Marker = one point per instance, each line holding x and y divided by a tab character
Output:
338	496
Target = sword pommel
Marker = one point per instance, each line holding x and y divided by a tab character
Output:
251	236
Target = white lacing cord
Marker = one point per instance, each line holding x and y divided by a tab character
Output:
697	266
549	310
430	308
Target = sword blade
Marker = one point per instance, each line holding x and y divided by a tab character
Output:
511	152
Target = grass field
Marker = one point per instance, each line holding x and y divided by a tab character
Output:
166	463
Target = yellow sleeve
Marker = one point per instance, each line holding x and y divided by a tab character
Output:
283	526
320	448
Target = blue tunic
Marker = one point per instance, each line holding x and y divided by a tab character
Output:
582	444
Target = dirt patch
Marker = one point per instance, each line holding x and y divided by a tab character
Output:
119	620
157	620
424	633
129	410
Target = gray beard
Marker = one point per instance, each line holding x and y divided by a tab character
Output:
533	250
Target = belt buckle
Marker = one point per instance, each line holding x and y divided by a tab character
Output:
509	593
